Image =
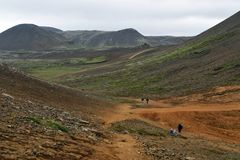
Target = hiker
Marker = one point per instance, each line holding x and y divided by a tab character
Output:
142	99
180	127
172	132
147	100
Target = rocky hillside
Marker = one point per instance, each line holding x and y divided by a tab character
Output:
45	121
31	130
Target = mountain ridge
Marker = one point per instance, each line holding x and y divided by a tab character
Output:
33	37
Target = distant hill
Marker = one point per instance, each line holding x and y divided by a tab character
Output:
30	37
33	37
122	38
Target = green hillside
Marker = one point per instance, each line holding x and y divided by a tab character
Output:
211	59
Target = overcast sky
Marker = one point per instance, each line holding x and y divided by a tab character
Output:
150	17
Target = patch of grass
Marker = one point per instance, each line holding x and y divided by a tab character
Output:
53	68
138	127
84	60
148	133
94	60
35	120
52	72
120	83
200	52
231	65
227	66
49	123
119	128
57	126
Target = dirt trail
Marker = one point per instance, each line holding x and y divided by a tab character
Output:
138	53
122	146
159	107
118	113
128	148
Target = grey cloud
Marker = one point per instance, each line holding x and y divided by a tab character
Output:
151	17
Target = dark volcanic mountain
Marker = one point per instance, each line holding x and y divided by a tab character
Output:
29	37
33	37
122	38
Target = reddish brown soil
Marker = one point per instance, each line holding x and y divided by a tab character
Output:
216	116
122	147
218	124
212	121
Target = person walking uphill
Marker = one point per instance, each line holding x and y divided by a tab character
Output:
147	100
180	127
